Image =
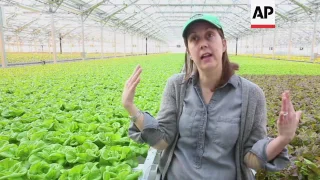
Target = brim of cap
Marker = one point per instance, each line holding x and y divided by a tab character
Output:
184	32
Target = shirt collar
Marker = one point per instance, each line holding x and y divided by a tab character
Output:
234	80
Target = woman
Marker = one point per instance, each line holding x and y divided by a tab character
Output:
212	122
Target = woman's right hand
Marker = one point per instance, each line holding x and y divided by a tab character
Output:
130	88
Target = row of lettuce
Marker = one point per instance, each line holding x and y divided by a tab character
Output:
65	121
26	57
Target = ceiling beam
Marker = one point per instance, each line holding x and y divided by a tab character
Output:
138	21
89	10
67	33
51	5
93	7
282	16
193	12
25	25
202	4
130	16
117	11
305	8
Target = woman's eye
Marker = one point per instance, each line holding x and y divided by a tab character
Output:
194	38
210	35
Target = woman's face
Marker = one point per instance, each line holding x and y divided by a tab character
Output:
205	46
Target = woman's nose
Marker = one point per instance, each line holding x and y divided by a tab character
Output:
203	44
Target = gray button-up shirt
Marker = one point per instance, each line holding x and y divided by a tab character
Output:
208	133
252	136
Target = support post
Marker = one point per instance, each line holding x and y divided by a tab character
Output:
33	46
253	45
261	55
157	47
290	41
17	42
101	42
79	46
4	62
60	38
247	47
49	47
139	45
236	46
53	36
312	57
72	47
274	43
115	43
146	46
141	49
82	35
131	43
124	43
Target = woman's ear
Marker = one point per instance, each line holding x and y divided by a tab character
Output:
189	55
188	52
224	44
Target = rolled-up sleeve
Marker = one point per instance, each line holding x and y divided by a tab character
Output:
164	126
258	140
280	162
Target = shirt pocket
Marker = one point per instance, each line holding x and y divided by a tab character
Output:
226	131
186	122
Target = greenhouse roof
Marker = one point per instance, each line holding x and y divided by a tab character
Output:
160	20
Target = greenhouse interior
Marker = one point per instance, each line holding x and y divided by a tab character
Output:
65	63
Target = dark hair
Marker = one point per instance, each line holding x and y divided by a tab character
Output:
228	68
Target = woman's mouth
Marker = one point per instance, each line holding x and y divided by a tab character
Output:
206	56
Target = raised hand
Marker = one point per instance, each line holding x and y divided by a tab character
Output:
130	88
288	120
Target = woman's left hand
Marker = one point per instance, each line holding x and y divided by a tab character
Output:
288	120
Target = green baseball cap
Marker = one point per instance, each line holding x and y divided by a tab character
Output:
205	17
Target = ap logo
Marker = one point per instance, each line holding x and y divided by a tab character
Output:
263	14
